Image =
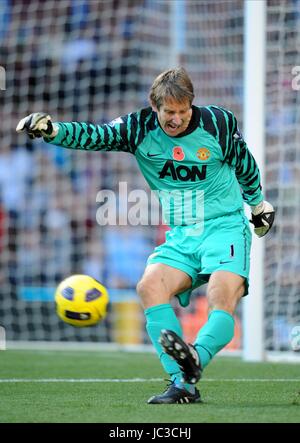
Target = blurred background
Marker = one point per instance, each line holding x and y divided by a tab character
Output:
92	61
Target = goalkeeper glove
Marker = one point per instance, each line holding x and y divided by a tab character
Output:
37	125
263	216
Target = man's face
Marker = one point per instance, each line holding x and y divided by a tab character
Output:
173	116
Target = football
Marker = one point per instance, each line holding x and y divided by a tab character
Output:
81	300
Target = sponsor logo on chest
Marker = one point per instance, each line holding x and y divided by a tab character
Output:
183	172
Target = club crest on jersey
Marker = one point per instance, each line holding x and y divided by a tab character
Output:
178	153
203	154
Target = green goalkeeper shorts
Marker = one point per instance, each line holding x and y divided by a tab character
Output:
221	244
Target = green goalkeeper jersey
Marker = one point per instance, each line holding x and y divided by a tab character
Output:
205	172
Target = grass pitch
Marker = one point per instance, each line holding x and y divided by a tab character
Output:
113	387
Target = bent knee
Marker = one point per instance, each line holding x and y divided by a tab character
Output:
144	287
151	293
224	298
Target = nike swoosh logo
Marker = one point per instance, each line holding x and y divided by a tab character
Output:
222	262
151	155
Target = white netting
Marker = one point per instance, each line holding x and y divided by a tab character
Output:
282	272
87	61
93	61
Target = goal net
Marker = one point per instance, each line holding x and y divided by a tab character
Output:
87	60
282	174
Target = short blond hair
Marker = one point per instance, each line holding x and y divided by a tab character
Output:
173	83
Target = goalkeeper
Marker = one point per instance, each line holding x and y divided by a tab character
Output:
197	156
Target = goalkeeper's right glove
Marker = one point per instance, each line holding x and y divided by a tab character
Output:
37	125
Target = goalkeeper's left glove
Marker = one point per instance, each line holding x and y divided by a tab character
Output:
263	216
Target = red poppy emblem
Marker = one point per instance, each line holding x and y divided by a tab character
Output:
178	153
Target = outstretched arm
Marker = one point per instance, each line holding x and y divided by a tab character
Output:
119	135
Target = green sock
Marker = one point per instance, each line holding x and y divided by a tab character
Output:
217	332
163	317
176	378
